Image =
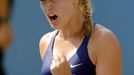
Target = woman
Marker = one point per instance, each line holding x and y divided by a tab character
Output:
77	46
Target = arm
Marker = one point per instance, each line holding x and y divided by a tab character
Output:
108	54
105	52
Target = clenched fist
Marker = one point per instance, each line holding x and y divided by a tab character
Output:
60	66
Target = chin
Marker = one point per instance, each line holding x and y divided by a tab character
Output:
54	27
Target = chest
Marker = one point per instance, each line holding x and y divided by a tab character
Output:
78	60
66	48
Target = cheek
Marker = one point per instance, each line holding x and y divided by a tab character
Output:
63	5
42	7
64	8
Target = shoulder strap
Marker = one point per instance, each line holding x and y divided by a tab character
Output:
50	45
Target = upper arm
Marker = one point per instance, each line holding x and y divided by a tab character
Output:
108	54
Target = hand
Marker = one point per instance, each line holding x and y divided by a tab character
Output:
60	66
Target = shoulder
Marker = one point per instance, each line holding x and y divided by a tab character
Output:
103	42
107	51
46	37
104	37
44	41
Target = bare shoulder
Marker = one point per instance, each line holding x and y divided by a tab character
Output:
103	36
44	41
102	41
106	51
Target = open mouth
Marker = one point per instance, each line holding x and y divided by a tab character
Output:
53	17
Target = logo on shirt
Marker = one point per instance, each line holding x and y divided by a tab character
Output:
73	66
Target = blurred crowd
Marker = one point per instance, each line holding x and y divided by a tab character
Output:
5	29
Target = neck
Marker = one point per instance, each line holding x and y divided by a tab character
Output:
71	30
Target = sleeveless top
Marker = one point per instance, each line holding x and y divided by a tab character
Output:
80	62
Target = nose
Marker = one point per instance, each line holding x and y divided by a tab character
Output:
49	5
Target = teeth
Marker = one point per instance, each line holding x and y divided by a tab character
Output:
51	15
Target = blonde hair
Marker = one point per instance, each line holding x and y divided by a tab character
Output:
86	8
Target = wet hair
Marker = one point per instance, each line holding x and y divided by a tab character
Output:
85	6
